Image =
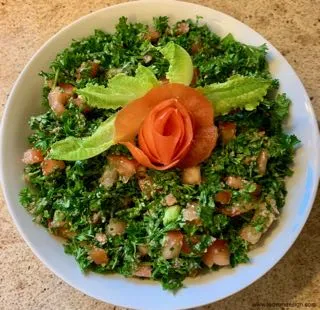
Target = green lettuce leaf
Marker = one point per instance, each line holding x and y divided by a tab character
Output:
73	148
121	89
181	67
238	92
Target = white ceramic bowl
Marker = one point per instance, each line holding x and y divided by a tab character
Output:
24	101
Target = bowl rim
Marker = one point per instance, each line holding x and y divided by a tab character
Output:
16	85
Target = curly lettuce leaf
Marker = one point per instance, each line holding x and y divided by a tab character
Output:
238	92
73	148
121	89
181	67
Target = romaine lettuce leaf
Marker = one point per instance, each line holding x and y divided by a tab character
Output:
181	67
238	92
73	148
121	89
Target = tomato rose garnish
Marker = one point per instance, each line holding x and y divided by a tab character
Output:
174	124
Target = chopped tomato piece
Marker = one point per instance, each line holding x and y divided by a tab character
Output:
65	233
191	175
61	229
172	244
223	197
231	211
257	191
143	271
59	96
238	208
249	159
152	35
190	213
250	234
227	131
182	28
67	88
89	67
170	200
57	100
234	182
32	156
81	104
96	218
125	167
109	177
94	69
50	165
185	246
143	249
99	256
116	227
217	254
146	186
100	237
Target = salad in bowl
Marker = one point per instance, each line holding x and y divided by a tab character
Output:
161	153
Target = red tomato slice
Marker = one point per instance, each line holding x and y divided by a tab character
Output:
168	130
154	157
167	135
143	159
204	142
130	118
149	139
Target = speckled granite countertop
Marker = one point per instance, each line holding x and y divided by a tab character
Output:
292	26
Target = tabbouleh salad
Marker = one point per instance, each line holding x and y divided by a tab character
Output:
175	219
